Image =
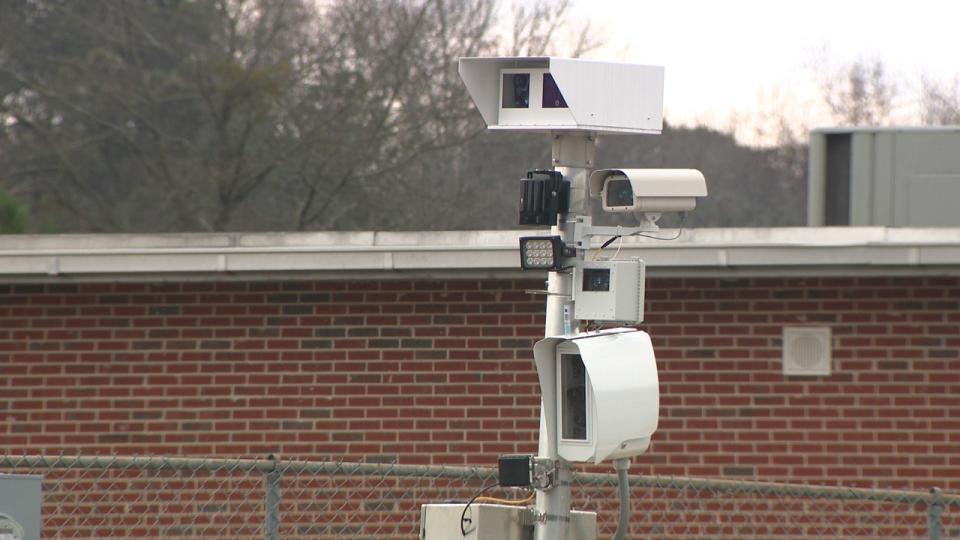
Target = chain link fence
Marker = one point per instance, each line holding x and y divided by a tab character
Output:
190	499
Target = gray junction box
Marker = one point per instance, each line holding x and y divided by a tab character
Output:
20	500
609	290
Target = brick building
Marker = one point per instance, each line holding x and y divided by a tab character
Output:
417	347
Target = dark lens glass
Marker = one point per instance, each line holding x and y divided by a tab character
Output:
516	91
552	98
619	192
573	384
596	279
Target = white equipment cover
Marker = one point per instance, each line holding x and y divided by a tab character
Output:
625	391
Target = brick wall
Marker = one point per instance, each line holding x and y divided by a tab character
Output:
441	372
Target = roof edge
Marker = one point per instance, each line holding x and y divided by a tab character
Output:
486	253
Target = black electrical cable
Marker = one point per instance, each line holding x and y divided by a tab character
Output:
610	241
674	237
463	516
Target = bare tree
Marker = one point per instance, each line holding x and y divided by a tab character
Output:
143	116
940	102
228	114
405	100
296	114
859	94
544	27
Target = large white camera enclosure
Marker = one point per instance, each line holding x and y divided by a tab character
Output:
543	94
648	190
602	388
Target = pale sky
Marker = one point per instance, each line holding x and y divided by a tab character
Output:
752	56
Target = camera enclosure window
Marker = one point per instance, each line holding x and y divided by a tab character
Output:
617	193
596	279
516	91
552	98
573	388
531	97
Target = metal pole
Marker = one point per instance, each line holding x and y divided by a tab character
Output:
623	479
934	514
572	157
271	523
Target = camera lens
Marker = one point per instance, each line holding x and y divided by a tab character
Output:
521	90
619	192
516	91
596	279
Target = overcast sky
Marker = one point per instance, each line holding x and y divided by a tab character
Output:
747	55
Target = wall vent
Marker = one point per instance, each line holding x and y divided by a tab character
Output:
806	350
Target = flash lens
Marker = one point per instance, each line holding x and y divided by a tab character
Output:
539	253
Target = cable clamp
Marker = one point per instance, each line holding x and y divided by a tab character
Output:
544	473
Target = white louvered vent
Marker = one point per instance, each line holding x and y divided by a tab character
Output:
806	350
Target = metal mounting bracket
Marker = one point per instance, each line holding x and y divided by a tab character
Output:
583	229
544	473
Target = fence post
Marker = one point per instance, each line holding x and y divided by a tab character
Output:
272	505
934	513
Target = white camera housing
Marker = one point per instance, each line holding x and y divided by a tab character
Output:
648	190
564	94
602	388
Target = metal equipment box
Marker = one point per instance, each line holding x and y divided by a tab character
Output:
20	499
494	522
609	291
892	176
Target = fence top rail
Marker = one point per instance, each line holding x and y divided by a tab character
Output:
242	465
934	496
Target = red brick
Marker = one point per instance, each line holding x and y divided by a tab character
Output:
233	358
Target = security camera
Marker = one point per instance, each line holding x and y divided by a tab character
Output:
648	190
603	390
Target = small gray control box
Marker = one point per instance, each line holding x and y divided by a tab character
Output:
609	290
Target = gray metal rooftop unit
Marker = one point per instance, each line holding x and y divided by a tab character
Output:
901	177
